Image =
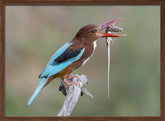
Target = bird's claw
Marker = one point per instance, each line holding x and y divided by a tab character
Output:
67	82
70	77
70	83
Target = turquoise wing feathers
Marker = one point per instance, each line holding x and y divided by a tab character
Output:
55	55
59	52
53	68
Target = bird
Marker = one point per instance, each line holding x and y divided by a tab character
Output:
72	55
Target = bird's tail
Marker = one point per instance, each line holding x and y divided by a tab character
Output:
40	86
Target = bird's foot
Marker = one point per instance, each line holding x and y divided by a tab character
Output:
70	77
70	83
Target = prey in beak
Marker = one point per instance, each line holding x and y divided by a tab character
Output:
105	26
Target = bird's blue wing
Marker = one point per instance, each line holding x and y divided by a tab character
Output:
55	55
54	67
59	52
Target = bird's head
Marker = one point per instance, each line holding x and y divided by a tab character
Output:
92	32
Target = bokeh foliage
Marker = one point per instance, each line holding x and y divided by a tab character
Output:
34	33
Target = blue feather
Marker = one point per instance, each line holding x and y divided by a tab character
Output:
52	69
55	55
59	52
40	86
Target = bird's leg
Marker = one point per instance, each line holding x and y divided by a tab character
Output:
70	83
110	29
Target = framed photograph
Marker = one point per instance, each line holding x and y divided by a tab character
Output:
33	30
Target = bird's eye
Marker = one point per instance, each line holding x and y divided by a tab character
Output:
94	30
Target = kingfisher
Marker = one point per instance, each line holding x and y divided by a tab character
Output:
72	55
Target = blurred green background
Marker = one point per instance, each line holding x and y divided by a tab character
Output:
34	33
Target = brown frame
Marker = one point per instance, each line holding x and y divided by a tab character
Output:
3	3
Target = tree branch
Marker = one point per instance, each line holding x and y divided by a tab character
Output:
72	94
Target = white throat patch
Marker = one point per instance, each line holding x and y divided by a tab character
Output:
94	44
94	47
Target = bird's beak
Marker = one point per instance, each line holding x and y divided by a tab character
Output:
106	25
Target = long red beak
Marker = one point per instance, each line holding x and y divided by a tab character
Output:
103	26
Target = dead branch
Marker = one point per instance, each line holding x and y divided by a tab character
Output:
72	94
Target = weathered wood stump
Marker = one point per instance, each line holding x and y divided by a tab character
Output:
72	93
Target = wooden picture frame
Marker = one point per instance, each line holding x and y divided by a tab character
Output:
3	3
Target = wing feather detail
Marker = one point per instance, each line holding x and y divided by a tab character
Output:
61	59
